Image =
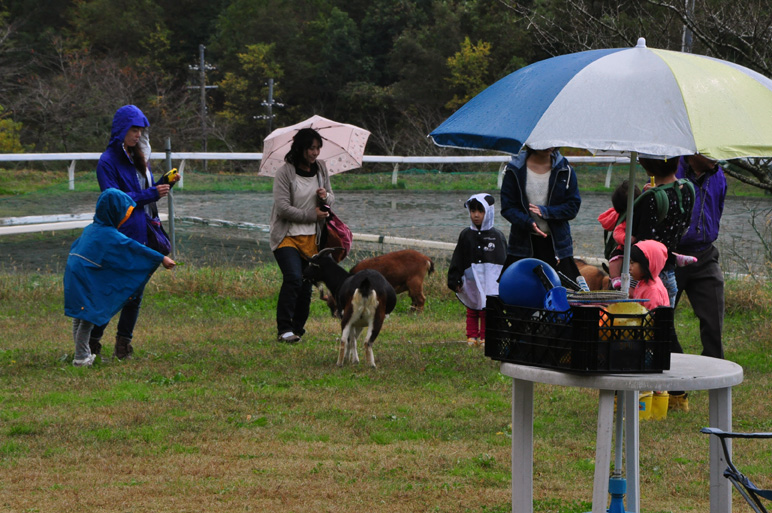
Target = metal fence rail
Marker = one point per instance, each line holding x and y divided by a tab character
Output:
183	157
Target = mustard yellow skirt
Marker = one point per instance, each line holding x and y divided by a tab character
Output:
305	244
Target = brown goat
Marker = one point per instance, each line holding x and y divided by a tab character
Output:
596	278
405	270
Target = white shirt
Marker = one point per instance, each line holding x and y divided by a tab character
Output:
304	198
537	190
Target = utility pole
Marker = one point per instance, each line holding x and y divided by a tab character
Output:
202	87
269	104
686	41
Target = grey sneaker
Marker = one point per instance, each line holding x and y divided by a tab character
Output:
289	337
86	362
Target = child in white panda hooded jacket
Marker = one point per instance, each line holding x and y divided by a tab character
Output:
476	264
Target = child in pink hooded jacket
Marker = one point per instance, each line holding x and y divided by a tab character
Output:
647	258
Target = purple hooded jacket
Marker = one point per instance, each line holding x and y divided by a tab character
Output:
115	170
709	195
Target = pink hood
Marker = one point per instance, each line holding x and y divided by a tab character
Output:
608	219
653	290
656	253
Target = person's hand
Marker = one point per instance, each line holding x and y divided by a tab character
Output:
321	215
168	262
537	231
321	192
163	189
535	209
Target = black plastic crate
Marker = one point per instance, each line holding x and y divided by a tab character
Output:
584	339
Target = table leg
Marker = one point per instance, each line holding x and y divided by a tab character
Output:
603	450
720	417
632	440
522	446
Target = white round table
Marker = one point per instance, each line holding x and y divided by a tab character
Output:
687	372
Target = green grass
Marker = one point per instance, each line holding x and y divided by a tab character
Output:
213	414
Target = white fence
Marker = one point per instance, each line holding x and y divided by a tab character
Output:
32	224
182	157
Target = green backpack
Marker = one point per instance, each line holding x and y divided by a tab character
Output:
663	205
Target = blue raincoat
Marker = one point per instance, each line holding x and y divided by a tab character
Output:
105	267
116	170
563	204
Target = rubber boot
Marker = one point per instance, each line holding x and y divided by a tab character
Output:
95	346
123	348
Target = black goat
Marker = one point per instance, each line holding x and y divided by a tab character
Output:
405	270
362	299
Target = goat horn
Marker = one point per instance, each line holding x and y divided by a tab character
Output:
327	251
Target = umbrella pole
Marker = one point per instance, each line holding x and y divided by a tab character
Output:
629	225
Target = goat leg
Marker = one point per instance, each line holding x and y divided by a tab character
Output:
353	344
415	289
370	355
372	332
341	352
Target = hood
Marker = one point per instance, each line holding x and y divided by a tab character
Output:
113	208
518	161
125	118
487	202
608	219
656	253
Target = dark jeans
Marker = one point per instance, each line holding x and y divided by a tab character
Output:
295	294
128	318
703	282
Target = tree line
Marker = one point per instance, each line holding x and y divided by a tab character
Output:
395	67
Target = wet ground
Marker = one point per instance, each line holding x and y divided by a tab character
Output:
435	216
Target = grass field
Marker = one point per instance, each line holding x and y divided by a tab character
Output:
214	415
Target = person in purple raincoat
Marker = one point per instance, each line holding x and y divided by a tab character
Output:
703	281
123	166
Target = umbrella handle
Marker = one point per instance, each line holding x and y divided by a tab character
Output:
539	271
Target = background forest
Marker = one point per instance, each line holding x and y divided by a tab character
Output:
395	67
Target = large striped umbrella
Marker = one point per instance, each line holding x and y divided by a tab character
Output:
638	99
621	100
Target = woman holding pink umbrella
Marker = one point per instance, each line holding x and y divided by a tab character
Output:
301	186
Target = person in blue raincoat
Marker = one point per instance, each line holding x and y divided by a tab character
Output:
123	166
104	269
539	196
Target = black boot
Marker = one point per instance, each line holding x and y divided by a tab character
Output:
95	346
123	348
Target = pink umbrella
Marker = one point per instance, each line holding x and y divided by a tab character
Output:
343	145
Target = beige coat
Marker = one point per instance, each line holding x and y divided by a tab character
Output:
283	214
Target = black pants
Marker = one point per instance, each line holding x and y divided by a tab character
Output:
128	318
295	294
703	282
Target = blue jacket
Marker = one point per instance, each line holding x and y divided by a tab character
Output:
116	170
104	267
709	195
563	204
